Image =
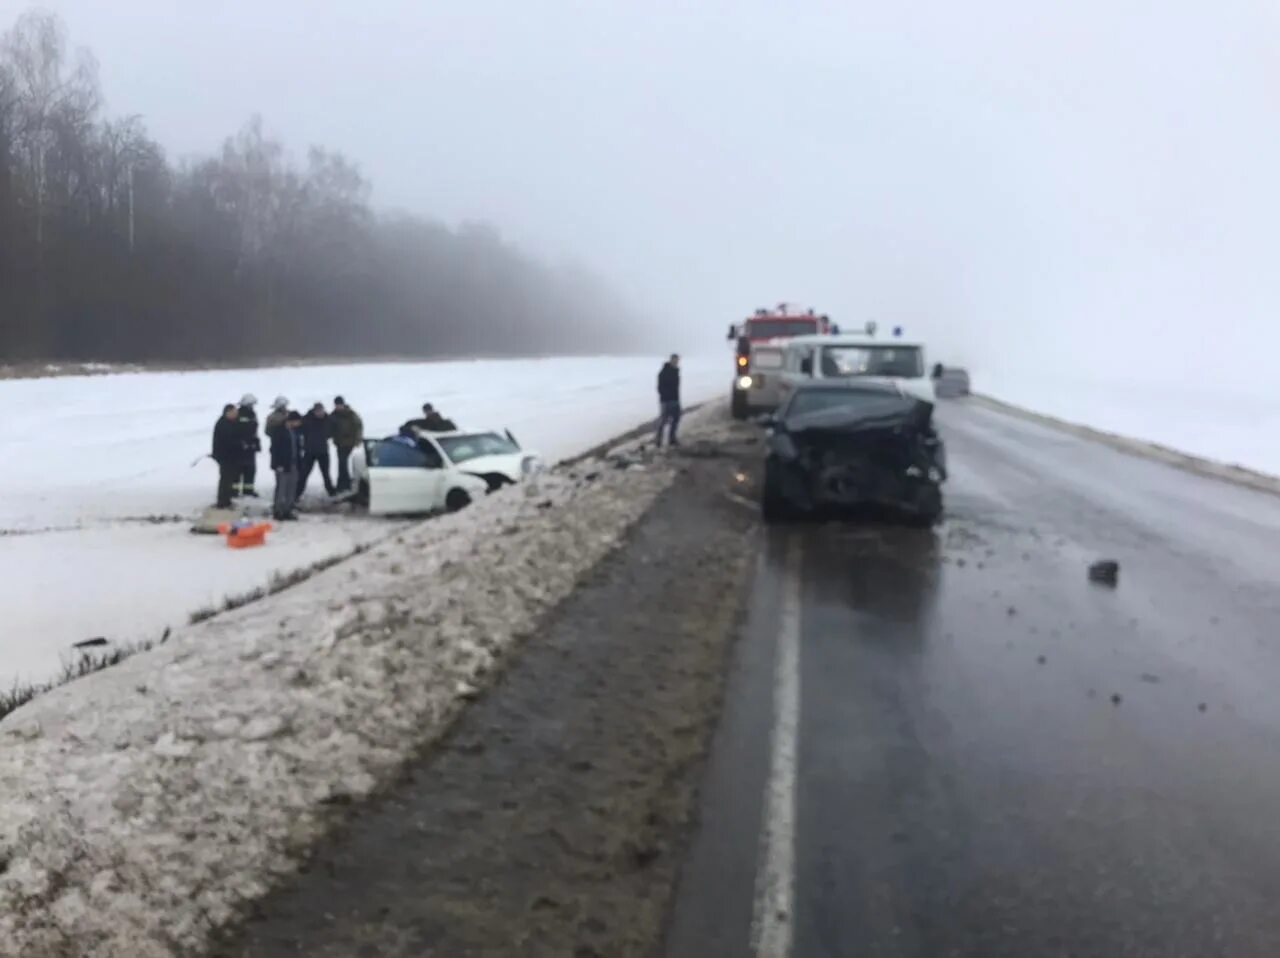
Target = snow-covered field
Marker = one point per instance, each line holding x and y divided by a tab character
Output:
88	461
1236	428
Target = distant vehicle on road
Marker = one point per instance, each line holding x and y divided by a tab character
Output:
950	381
850	444
854	358
425	472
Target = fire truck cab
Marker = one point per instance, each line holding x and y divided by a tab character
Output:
758	356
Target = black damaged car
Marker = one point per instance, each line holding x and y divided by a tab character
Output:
848	446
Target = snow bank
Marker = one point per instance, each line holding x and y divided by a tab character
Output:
1235	428
142	804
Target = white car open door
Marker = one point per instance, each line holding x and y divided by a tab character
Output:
404	479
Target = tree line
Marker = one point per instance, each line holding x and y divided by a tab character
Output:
110	251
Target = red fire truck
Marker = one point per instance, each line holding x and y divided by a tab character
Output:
752	336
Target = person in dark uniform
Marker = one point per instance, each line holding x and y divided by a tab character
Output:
250	446
226	453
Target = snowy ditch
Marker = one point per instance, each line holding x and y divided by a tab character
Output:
141	805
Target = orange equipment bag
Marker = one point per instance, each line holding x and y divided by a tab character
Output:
244	537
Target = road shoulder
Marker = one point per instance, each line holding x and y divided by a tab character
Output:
552	819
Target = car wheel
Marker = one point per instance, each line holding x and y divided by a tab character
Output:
457	500
773	504
738	405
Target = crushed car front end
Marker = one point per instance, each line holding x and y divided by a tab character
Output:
879	452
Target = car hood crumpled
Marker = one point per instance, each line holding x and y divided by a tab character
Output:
888	412
507	464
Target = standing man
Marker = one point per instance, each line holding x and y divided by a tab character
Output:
250	446
226	453
669	399
288	450
316	433
348	432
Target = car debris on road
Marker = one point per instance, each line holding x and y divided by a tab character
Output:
1105	572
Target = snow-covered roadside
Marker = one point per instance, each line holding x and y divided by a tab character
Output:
1222	426
142	804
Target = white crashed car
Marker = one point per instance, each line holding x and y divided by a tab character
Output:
437	471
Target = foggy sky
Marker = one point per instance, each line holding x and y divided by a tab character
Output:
1093	184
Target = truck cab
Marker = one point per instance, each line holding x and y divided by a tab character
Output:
758	387
808	359
758	356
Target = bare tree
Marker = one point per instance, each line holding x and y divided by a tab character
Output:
108	251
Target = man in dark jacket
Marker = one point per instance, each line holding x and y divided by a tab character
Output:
348	432
316	432
669	400
431	421
250	446
288	451
226	453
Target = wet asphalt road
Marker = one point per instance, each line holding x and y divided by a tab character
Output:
993	756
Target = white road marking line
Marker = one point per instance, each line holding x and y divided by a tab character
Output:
771	923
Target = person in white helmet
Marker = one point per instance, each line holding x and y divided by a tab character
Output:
275	419
250	446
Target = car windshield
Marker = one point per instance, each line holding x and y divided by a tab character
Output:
903	361
771	328
475	445
808	401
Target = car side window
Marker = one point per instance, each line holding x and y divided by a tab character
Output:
393	454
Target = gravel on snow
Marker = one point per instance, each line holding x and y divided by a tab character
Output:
141	805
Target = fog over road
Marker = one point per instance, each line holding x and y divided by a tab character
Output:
993	756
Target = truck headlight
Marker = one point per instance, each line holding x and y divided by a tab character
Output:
744	382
